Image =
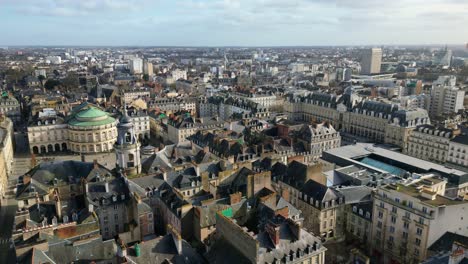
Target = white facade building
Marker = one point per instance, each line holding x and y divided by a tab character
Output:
429	143
458	150
136	66
179	74
445	97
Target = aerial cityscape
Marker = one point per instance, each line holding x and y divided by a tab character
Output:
231	131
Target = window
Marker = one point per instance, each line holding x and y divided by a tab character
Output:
392	229
408	215
394	210
421	220
379	224
393	219
419	231
405	235
424	209
324	224
406	225
417	241
116	217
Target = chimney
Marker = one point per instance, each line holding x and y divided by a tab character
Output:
260	149
285	194
235	198
58	207
96	164
164	173
284	212
273	232
26	179
295	228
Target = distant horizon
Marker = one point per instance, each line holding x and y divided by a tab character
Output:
234	46
234	23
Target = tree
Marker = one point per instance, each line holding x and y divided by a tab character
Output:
71	81
51	84
146	77
41	79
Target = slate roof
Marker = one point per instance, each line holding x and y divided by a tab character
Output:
98	195
69	171
94	249
320	192
237	182
293	174
461	139
445	242
163	249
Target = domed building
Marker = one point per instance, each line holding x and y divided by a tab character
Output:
88	129
91	130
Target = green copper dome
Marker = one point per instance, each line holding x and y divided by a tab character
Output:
90	116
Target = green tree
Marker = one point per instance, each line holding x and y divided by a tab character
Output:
71	81
51	84
146	77
41	79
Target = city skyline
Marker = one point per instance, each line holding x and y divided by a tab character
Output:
233	23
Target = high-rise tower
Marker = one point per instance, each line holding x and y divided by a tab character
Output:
371	61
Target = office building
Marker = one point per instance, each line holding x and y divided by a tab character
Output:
136	65
371	61
445	97
148	68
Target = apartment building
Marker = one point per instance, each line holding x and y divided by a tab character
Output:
173	105
367	120
408	218
430	143
445	97
320	206
319	137
458	150
180	128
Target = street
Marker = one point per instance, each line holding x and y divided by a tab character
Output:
7	214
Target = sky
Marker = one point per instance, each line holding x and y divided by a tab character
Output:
233	22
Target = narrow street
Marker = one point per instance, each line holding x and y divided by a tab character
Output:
7	214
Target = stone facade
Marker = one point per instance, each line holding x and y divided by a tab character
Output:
429	143
409	218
